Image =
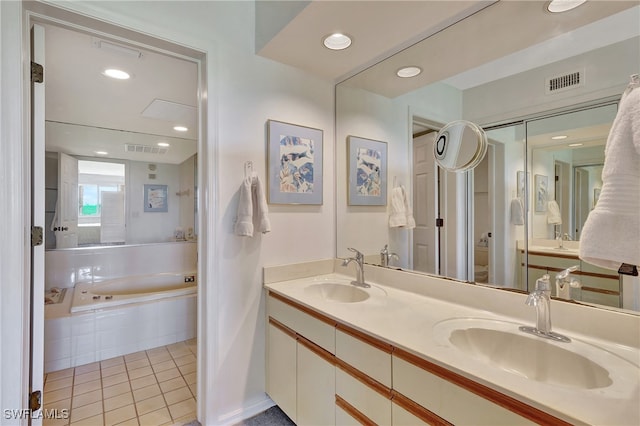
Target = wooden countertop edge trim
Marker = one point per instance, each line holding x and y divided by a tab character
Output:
498	398
304	309
354	412
418	410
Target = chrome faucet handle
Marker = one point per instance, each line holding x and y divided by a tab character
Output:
564	274
359	254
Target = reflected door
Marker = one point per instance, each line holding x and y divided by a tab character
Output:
66	229
424	204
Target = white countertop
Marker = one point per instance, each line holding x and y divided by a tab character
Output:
406	320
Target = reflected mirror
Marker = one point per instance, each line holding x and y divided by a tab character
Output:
474	225
459	146
106	140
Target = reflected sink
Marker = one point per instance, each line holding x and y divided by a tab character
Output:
502	345
335	292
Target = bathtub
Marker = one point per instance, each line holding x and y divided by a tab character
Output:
132	289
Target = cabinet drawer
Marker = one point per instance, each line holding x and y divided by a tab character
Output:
449	401
345	419
369	355
553	262
314	327
402	417
374	404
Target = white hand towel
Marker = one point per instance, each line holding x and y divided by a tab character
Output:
411	222
611	234
261	204
517	212
252	200
553	213
400	213
244	219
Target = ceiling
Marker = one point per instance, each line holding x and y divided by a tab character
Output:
78	96
480	29
87	111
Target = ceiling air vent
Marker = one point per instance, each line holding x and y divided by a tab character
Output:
145	149
564	82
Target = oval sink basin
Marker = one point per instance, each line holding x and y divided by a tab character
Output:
502	345
334	292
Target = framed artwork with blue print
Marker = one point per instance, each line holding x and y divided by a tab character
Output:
294	164
367	173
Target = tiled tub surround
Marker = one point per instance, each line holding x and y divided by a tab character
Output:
66	267
412	304
85	337
153	387
81	338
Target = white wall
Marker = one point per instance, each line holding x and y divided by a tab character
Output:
244	91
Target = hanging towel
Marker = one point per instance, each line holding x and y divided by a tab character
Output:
611	234
252	200
400	213
517	212
553	213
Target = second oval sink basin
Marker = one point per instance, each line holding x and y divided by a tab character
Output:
501	345
344	293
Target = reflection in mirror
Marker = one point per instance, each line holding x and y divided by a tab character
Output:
460	145
475	225
97	201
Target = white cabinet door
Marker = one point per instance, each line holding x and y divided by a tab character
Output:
316	388
281	369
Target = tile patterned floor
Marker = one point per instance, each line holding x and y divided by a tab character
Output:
147	388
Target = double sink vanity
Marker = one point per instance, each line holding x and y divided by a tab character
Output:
408	349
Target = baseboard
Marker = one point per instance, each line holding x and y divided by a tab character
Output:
247	411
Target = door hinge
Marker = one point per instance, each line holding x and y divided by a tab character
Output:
439	222
36	235
35	400
37	72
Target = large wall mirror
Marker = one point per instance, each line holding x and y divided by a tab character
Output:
563	74
118	168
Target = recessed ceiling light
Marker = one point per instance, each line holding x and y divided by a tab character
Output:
559	137
558	6
407	72
337	41
164	144
575	144
116	73
101	152
180	128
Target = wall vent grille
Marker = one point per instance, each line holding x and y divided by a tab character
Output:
563	82
145	149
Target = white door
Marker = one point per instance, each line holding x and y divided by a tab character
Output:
66	229
112	222
37	220
424	204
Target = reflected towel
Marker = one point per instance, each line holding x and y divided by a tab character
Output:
553	213
611	234
517	212
252	199
400	213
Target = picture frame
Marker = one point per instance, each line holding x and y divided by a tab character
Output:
521	190
541	183
596	196
367	172
156	198
294	164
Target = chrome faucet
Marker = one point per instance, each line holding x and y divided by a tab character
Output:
386	256
540	298
359	259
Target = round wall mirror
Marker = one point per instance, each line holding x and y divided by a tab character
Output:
460	145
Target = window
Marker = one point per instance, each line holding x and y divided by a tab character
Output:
95	178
